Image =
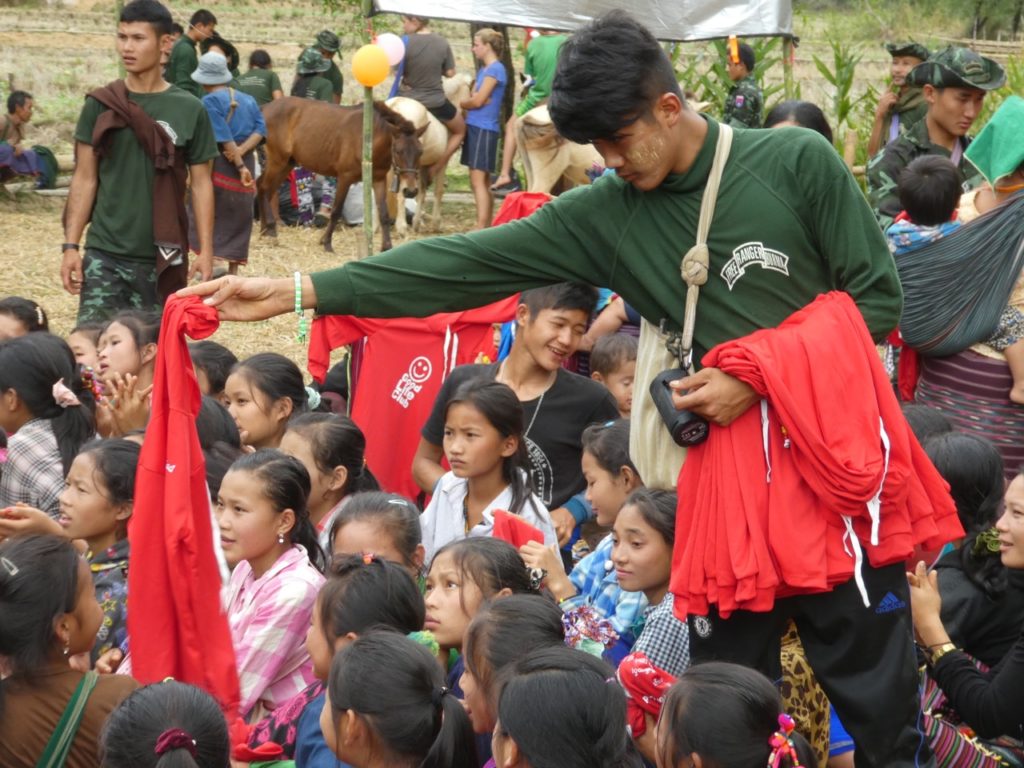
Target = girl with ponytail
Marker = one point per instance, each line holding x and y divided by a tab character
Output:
332	448
166	725
387	705
47	413
268	539
721	715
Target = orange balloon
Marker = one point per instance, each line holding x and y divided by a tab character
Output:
370	65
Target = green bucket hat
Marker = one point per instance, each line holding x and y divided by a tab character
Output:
328	41
998	151
954	67
312	62
909	48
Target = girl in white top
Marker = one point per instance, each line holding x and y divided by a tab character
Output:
483	442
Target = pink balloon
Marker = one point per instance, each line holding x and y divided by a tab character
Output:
393	47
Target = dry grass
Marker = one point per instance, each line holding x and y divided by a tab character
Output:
31	233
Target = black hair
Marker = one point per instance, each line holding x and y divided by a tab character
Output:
17	99
609	75
929	190
275	376
213	359
359	595
973	468
560	296
612	351
747	57
658	509
31	365
143	326
215	425
399	688
129	737
90	328
563	709
498	403
286	486
491	564
259	59
116	461
608	443
926	421
336	441
26	311
726	713
395	515
38	583
505	630
202	16
230	51
219	458
150	12
803	113
301	83
177	29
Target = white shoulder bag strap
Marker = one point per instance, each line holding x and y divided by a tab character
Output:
655	454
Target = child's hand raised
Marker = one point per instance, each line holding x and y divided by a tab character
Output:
22	518
536	555
128	405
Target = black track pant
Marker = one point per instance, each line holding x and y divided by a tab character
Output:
863	657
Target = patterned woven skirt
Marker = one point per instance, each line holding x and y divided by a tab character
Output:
973	392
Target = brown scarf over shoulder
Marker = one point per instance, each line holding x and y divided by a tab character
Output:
170	221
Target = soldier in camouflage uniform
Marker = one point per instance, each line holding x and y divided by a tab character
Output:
745	104
902	105
954	82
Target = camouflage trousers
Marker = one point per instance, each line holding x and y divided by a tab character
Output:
111	283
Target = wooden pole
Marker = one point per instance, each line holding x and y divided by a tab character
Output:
787	66
367	146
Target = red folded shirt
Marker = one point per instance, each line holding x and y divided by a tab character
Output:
645	686
792	496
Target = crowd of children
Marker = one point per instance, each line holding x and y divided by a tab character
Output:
523	610
372	631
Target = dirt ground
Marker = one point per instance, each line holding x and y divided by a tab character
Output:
58	54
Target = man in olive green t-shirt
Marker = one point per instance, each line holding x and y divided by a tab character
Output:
261	82
183	59
328	44
114	193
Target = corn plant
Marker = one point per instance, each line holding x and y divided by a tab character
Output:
841	75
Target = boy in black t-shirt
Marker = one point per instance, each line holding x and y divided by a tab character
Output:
558	405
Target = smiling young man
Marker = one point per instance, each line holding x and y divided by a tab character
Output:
557	405
954	83
136	250
790	223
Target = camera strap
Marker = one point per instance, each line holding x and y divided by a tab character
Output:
694	267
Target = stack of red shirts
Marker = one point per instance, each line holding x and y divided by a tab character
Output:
791	497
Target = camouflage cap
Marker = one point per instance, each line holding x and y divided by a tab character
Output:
328	41
312	62
954	67
909	48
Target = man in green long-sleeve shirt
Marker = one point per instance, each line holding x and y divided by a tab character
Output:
790	223
183	60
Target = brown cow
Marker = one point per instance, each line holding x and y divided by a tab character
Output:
328	139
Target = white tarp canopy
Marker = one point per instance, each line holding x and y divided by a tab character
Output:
667	19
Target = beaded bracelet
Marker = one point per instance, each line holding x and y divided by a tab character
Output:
303	325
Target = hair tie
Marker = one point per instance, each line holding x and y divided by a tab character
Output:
313	398
368	557
11	568
438	694
40	317
781	743
65	397
175	738
425	638
536	577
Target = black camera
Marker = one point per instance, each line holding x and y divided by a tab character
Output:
686	428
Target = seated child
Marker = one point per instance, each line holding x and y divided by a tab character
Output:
613	363
929	190
84	341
